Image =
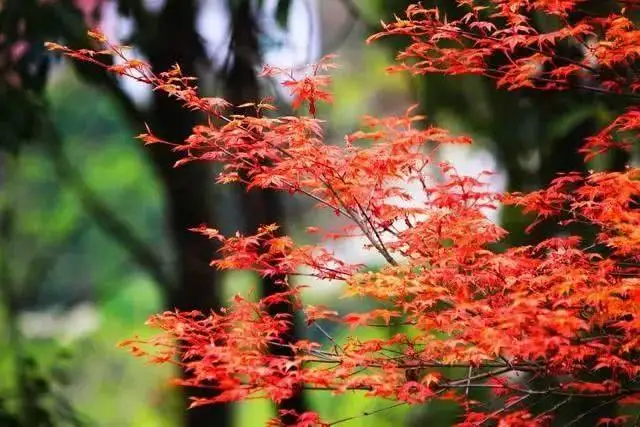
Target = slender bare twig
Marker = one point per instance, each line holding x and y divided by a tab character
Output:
503	409
329	337
554	407
592	410
366	413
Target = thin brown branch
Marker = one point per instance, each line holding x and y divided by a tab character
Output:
503	409
592	410
366	413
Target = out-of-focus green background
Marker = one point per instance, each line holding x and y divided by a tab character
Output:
92	224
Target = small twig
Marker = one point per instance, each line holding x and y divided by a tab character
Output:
366	413
503	409
554	407
477	377
595	408
466	391
329	337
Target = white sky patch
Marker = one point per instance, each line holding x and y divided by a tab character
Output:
468	161
154	6
214	26
117	28
298	44
472	161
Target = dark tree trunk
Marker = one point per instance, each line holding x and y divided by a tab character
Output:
188	187
259	207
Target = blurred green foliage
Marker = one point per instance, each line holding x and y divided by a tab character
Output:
89	273
83	271
60	260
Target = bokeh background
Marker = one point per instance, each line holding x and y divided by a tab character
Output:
93	225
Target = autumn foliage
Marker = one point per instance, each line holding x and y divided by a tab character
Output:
564	312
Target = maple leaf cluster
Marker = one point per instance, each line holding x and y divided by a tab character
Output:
551	319
500	40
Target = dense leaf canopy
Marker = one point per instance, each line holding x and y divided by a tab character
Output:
564	311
